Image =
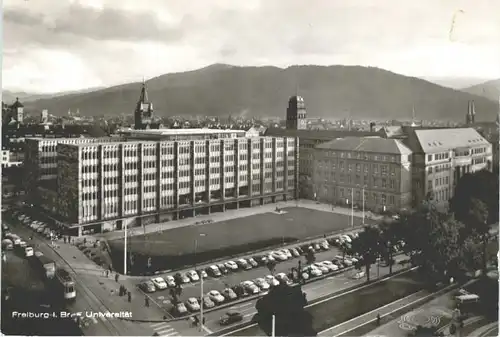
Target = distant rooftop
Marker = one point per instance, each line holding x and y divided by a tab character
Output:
173	132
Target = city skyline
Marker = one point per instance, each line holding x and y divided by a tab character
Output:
50	46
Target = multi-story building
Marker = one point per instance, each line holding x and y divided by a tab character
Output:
380	169
296	126
160	175
441	157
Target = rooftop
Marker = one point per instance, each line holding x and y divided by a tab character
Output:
447	139
318	134
173	132
366	144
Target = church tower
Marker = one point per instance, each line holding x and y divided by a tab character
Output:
18	111
470	118
143	114
296	114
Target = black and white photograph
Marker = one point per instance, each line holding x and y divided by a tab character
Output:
250	168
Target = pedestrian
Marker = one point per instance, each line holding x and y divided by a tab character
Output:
129	295
110	268
65	239
204	320
378	319
116	277
146	301
107	273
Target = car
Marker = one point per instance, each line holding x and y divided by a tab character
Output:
324	269
295	252
272	281
358	274
338	263
23	244
193	276
345	260
181	309
192	304
231	317
252	262
243	264
7	244
250	287
313	271
353	259
46	231
261	283
222	268
346	238
287	253
310	249
229	294
214	271
159	283
216	296
185	278
240	291
147	287
207	303
202	273
40	229
170	281
270	258
280	256
317	247
283	278
38	254
330	265
299	250
231	265
324	245
28	251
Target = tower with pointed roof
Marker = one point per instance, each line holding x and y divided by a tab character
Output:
18	110
143	114
470	118
296	114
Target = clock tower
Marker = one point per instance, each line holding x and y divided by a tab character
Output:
296	114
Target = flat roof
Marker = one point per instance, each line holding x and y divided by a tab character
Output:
174	132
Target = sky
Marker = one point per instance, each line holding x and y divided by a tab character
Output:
62	45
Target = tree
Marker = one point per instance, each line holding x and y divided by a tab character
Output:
310	257
178	279
174	295
390	235
367	246
478	227
287	305
481	185
271	265
345	248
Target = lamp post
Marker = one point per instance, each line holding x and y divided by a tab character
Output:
125	255
363	205
352	207
201	281
273	328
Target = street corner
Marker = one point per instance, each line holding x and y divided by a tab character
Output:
430	317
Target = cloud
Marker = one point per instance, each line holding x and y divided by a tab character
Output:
122	40
89	22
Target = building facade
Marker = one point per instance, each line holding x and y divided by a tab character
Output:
108	185
348	168
441	157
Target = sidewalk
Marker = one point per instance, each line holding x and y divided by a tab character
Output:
229	215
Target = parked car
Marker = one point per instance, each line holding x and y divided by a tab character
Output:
147	286
295	252
272	281
214	271
280	256
283	278
299	250
203	274
181	309
353	259
317	247
287	253
192	304
324	245
222	268
330	265
240	291
231	265
313	271
229	294
41	229
216	296
339	263
231	317
7	244
250	287
193	276
346	261
185	278
159	283
207	303
252	262
243	264
358	274
170	281
261	283
28	251
324	269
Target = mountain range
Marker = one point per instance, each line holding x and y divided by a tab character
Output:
329	92
11	96
490	90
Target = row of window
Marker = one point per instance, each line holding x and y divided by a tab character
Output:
362	156
438	182
375	198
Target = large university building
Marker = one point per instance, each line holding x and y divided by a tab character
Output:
379	168
163	174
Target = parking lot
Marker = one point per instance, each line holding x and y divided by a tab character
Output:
193	289
175	248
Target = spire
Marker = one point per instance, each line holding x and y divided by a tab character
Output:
144	93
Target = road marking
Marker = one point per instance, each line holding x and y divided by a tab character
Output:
245	305
157	324
207	329
164	331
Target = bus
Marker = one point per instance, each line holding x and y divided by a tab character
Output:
46	265
65	282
